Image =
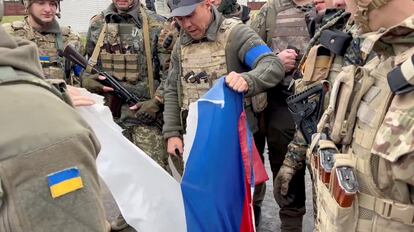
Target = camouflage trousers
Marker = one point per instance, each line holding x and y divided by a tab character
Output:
150	140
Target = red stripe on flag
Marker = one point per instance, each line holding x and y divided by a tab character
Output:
247	224
259	171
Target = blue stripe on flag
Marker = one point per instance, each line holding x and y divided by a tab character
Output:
213	184
254	53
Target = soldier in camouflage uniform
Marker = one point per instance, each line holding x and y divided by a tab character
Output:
282	24
204	31
40	26
122	52
122	40
360	127
369	120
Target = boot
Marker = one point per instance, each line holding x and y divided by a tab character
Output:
291	223
257	215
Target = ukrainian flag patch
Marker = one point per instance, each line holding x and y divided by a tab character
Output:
64	182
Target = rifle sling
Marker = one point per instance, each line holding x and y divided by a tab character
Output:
94	58
148	51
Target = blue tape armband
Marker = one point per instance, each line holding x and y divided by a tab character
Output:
254	53
77	70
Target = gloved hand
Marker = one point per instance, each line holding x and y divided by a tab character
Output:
93	84
147	110
168	36
284	176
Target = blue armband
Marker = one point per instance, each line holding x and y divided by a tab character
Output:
254	53
77	70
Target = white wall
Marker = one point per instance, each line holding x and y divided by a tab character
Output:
77	13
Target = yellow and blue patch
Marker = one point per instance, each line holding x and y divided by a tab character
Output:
64	182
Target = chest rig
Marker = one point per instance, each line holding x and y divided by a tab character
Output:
122	54
202	63
290	31
48	44
359	102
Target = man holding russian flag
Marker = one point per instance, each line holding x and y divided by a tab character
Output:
211	46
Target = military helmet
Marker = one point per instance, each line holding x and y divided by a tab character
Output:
26	4
1	9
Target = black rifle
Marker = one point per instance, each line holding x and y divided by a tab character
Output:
121	93
72	55
306	108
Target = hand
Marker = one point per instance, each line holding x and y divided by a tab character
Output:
77	98
282	181
236	82
174	143
93	84
288	59
168	36
147	110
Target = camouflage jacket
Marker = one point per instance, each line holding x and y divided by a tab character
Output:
159	55
394	138
371	117
265	73
48	42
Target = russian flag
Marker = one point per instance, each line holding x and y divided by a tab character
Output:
222	167
219	173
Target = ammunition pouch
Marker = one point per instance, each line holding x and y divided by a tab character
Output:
337	201
317	65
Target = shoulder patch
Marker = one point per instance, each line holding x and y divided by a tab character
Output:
96	18
18	25
65	30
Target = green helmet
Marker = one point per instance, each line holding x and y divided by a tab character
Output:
27	3
1	9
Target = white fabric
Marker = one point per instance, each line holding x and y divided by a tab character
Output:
149	198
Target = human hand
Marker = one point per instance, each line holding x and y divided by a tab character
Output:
76	97
236	82
173	144
288	59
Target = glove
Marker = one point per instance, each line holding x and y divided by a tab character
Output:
284	176
168	36
147	110
91	83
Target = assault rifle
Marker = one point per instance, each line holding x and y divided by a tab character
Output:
306	108
121	93
71	54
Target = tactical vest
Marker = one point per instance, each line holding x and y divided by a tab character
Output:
48	44
206	57
122	54
26	199
289	30
360	99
